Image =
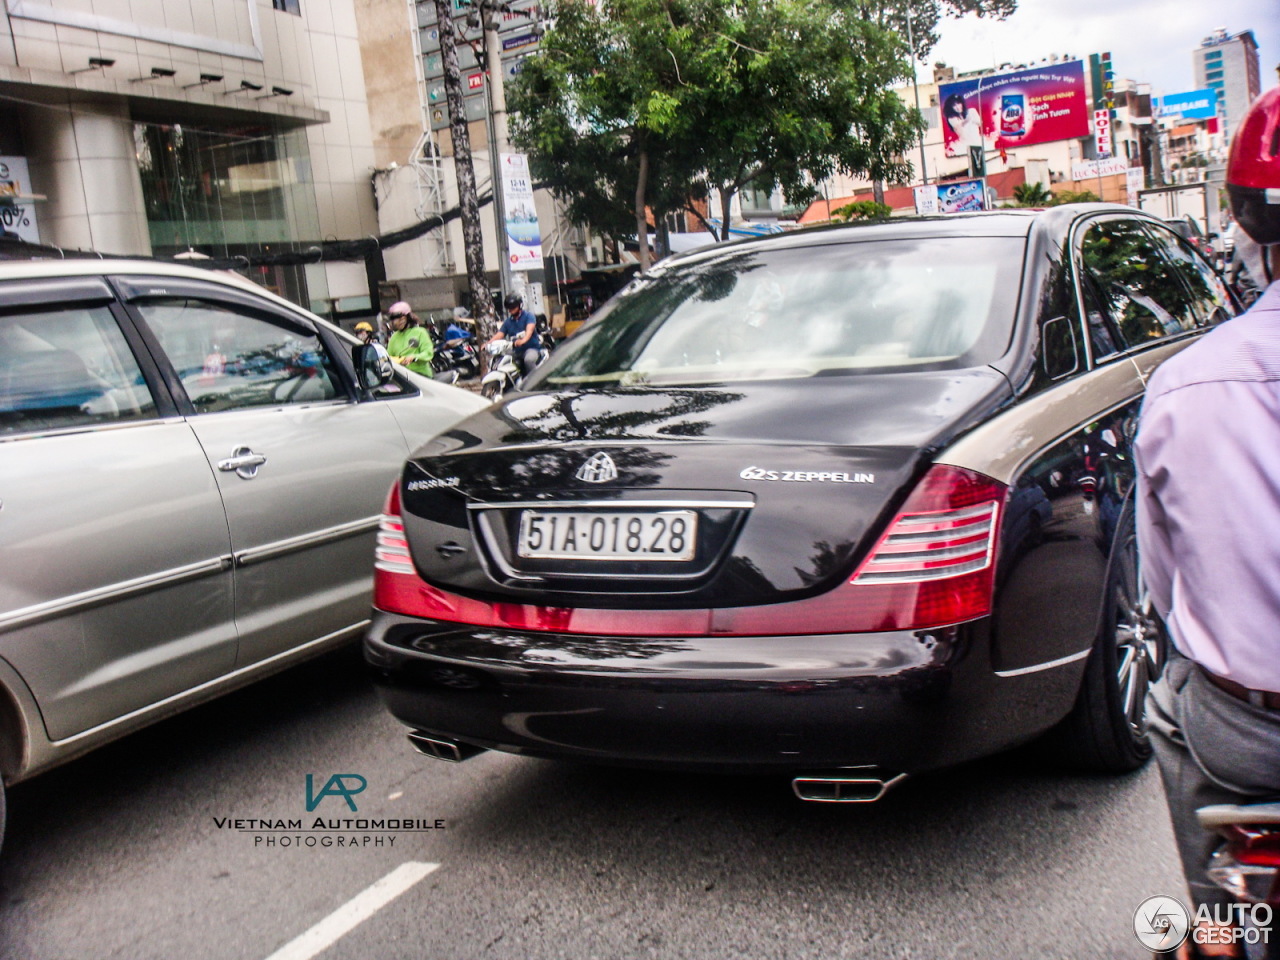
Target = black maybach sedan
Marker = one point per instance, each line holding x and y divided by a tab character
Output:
843	504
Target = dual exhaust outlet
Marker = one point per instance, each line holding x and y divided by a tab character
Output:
858	785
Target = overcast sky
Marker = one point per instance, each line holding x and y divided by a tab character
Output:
1150	40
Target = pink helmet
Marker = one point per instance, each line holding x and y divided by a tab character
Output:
398	309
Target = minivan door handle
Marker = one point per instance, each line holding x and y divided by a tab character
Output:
244	462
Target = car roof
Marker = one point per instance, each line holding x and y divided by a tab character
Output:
115	267
1011	222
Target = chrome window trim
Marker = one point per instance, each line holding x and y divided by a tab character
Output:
78	602
270	551
339	401
92	428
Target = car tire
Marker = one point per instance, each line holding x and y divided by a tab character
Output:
1106	731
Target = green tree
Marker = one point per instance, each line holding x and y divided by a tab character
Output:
1073	196
797	90
1032	195
635	103
601	108
862	210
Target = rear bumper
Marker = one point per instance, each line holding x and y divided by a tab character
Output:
901	701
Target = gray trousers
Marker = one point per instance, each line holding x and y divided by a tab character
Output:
1212	748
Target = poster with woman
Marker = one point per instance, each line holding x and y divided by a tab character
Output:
1017	109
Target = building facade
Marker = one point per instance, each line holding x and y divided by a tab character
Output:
231	128
1228	63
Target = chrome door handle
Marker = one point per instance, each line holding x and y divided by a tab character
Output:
244	462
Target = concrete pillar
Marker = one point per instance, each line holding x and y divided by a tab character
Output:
82	157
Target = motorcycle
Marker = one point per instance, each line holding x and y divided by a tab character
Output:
504	372
1247	866
456	351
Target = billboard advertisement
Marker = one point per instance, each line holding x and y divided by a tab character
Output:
1195	105
959	196
1018	109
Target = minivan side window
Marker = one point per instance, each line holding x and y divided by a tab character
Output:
67	368
1136	285
231	359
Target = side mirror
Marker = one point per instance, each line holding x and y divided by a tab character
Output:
373	365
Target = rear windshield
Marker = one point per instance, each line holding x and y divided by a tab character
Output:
776	313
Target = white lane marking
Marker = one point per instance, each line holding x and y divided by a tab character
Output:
354	912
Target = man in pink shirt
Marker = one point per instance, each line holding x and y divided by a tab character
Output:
1208	457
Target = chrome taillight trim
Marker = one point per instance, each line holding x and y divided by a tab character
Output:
957	542
391	552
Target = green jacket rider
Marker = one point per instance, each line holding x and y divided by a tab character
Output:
410	344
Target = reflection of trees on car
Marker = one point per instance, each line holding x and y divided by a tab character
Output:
1145	293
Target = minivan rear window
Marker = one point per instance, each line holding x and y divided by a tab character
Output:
846	308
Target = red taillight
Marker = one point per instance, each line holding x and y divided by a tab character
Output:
1255	845
933	567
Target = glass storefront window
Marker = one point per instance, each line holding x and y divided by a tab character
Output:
231	192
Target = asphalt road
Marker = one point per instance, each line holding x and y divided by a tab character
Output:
120	854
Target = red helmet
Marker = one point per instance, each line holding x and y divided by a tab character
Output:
1253	170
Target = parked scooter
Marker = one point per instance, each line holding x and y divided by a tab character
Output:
1247	866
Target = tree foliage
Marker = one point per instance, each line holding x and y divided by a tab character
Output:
1034	194
862	210
635	103
1073	196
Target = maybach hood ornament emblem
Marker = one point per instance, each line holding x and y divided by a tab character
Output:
600	468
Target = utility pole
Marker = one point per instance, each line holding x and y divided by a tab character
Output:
498	145
915	85
473	240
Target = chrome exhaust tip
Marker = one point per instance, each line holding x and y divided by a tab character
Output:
841	788
439	748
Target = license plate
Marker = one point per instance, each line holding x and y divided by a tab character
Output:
667	535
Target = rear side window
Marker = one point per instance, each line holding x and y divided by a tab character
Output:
1136	289
67	368
230	359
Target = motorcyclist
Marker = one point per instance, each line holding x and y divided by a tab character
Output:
457	328
410	344
366	333
1208	458
521	328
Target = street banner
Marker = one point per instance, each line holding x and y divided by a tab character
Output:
961	196
1016	109
524	238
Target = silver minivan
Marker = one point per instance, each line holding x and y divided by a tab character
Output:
191	476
